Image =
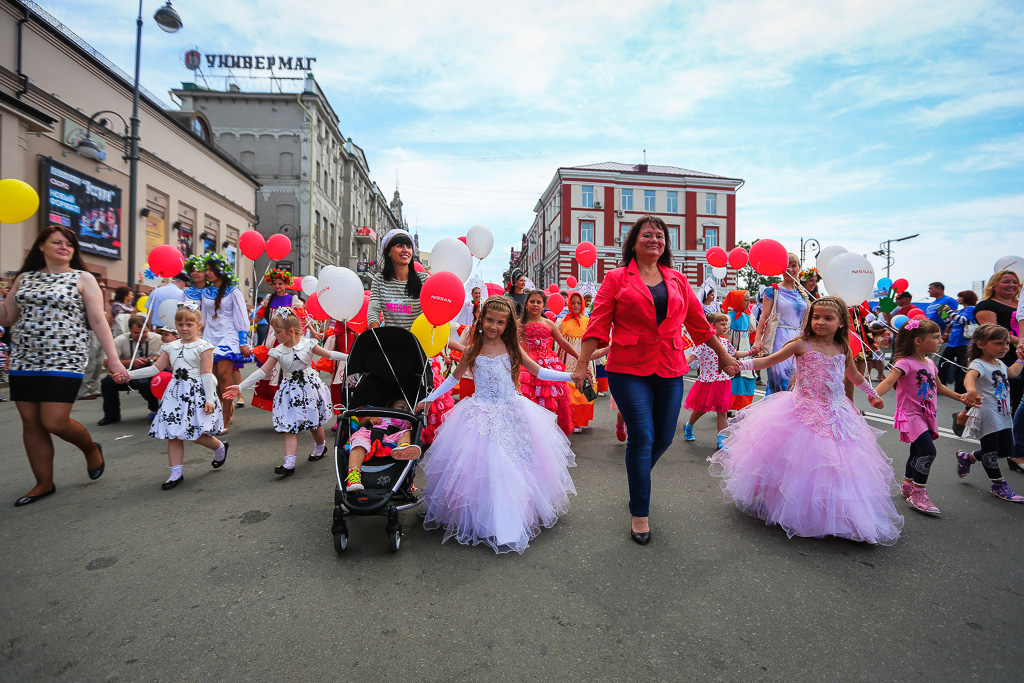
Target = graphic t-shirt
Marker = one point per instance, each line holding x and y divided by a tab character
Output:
992	385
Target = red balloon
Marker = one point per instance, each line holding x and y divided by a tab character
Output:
296	284
160	381
549	315
463	240
556	302
586	254
855	344
916	313
552	288
769	257
358	321
166	261
315	310
494	290
738	258
418	267
442	297
716	257
252	244
571	281
900	285
278	247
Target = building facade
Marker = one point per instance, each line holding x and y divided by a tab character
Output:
599	203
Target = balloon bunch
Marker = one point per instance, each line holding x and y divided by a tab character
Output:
718	259
849	276
887	303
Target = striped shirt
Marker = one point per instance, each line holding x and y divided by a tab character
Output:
389	298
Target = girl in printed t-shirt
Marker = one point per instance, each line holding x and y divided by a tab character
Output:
713	391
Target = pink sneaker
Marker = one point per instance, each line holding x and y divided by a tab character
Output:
906	488
918	500
964	460
1002	489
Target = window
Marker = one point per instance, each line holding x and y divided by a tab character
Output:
586	231
199	128
673	238
649	201
624	229
711	203
673	202
588	196
710	238
588	274
318	173
627	200
316	224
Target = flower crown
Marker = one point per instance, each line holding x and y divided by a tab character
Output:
807	272
278	274
194	263
222	266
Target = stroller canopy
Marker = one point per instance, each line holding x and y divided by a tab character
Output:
392	364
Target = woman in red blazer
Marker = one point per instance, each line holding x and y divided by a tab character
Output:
647	303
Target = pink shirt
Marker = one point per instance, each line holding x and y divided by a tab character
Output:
916	399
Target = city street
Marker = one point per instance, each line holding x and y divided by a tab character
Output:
233	576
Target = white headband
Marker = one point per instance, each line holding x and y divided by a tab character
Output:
391	234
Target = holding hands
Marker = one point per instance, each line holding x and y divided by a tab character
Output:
230	393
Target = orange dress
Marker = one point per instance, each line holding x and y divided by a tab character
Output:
582	410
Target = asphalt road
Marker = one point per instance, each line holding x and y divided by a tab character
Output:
233	577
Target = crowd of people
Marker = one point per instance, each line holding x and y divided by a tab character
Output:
515	380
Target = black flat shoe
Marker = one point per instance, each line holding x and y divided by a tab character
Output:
314	458
98	472
104	421
958	429
217	463
281	469
28	500
1014	466
171	483
641	537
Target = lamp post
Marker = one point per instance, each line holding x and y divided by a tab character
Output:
885	249
803	246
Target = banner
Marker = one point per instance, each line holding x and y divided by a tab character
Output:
154	232
89	207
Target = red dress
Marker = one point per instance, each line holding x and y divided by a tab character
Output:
553	396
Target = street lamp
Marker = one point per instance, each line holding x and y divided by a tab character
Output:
885	249
804	244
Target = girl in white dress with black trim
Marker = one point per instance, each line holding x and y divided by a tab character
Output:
302	402
189	409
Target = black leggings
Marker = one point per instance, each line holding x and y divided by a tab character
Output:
922	453
995	445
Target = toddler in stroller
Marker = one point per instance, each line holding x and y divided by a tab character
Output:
379	437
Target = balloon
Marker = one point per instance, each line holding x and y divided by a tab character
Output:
315	310
358	322
716	257
464	241
884	284
552	288
586	254
252	244
556	302
899	320
451	256
900	285
494	290
166	312
855	344
418	267
432	339
769	257
278	247
297	284
442	296
159	383
166	261
886	305
851	277
571	281
1014	263
826	255
738	258
18	201
340	293
719	273
916	313
480	241
309	284
549	315
142	303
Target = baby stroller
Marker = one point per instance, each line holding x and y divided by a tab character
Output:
390	363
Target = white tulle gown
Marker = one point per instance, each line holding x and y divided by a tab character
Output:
497	470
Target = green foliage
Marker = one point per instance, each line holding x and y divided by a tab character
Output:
751	279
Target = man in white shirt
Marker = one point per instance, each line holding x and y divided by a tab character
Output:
149	349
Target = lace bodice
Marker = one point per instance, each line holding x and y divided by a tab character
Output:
537	339
294	359
493	378
186	358
820	398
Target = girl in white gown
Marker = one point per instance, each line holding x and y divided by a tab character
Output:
497	470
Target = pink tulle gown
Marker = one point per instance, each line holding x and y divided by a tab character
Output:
806	460
497	470
554	396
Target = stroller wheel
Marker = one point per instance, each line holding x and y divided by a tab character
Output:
395	538
341	539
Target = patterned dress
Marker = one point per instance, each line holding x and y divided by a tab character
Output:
553	396
182	413
51	337
263	393
302	401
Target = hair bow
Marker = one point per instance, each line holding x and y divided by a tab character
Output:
283	312
912	324
190	305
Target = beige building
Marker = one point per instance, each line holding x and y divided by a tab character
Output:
190	194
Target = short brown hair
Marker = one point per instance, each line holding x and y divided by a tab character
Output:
969	296
629	244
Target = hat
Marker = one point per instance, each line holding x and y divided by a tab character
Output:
166	329
182	277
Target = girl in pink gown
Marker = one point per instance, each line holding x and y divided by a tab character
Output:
538	334
805	459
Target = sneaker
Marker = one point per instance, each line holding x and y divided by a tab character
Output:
918	500
354	480
906	488
721	441
963	463
406	451
1002	490
688	432
958	428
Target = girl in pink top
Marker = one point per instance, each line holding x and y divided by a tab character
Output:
713	391
916	380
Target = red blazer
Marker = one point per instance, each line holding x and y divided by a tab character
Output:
639	345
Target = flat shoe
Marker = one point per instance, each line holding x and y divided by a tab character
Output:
217	463
410	452
641	537
171	483
28	500
286	471
1014	466
98	472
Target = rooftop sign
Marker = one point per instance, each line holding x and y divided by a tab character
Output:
194	60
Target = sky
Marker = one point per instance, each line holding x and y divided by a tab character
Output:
851	122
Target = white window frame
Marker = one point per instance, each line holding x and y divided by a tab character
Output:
710	236
673	237
592	229
624	194
588	274
650	201
711	203
672	202
587	196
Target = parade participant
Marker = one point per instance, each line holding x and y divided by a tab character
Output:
395	443
174	290
937	290
302	402
809	279
990	420
572	328
467	316
190	409
225	325
781	317
538	333
517	290
709	297
736	305
917	389
497	471
121	308
53	299
712	392
145	347
263	396
648	302
805	459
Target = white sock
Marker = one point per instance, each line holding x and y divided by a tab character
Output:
289	462
319	449
220	453
175	473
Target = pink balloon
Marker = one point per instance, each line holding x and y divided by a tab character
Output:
278	247
738	258
166	261
552	288
769	257
717	257
252	244
586	254
549	315
556	302
160	381
442	297
571	281
418	267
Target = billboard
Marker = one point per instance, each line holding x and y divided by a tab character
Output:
89	207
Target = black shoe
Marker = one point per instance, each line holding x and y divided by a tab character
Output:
98	472
1014	466
641	537
958	429
286	471
28	500
218	463
104	421
314	458
171	483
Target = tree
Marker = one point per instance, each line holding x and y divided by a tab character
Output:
751	277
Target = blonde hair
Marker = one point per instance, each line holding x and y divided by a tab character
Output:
187	313
717	317
288	319
793	258
990	286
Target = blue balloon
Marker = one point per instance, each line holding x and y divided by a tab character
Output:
899	321
885	283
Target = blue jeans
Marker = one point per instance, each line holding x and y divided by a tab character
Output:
650	408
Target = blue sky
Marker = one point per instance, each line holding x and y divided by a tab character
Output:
851	122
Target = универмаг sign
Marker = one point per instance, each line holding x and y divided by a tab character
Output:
90	207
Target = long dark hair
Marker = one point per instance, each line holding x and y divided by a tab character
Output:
842	335
904	346
524	315
629	244
413	284
510	336
35	260
984	334
225	282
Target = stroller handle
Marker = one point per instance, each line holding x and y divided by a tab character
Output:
384	412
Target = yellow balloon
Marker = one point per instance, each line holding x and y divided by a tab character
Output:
18	201
432	339
142	303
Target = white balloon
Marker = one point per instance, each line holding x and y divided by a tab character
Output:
166	312
452	256
826	255
480	241
719	273
340	293
1014	263
851	277
327	269
309	285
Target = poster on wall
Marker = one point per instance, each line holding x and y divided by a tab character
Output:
154	232
184	239
231	253
86	205
209	244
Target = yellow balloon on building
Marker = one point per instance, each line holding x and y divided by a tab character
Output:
18	201
432	339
